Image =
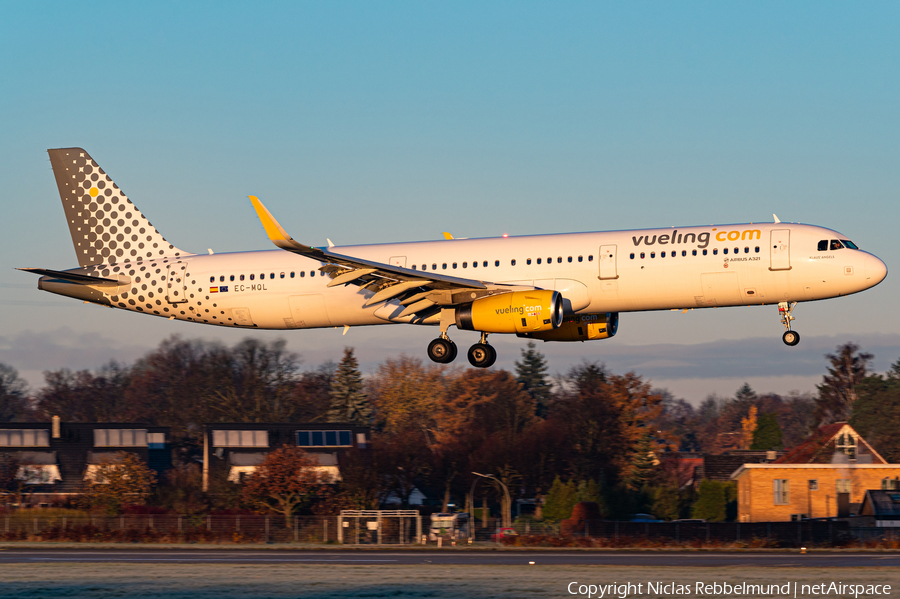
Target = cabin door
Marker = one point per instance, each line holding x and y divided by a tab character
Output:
780	249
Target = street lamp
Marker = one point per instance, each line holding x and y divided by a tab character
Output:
506	512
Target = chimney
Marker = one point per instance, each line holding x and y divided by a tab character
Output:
55	427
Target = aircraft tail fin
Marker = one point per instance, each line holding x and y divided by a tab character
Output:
106	226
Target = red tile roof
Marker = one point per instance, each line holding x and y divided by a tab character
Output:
819	447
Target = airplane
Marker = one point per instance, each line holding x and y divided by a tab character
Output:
558	287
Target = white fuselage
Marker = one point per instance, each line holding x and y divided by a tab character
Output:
620	271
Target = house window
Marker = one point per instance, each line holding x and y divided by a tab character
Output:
324	439
843	485
240	438
24	437
120	437
813	485
782	490
847	444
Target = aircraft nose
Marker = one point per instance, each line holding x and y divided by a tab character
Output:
875	269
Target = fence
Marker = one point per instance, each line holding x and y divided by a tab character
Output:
406	529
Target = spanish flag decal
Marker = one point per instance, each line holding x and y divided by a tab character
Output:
214	290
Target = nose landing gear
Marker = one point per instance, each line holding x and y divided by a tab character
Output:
482	355
790	337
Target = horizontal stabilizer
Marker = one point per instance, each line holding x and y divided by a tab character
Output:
71	276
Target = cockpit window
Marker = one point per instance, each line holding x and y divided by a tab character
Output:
836	245
823	245
849	244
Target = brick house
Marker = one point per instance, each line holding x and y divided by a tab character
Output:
823	477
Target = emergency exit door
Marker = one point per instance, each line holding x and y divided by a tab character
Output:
608	262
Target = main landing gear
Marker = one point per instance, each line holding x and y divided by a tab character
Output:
790	337
443	351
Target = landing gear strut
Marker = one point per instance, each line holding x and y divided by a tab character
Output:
482	355
790	337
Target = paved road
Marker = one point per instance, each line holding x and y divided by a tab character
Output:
231	556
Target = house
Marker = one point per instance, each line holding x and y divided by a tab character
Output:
721	467
823	477
883	505
55	458
242	447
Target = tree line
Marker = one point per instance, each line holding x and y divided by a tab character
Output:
589	433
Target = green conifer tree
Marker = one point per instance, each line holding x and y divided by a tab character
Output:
531	372
560	500
348	401
767	436
642	467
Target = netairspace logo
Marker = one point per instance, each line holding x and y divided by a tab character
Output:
718	589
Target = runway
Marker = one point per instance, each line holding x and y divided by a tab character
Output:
499	558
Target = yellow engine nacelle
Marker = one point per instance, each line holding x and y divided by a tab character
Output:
581	327
513	312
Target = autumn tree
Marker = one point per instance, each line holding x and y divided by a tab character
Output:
838	391
86	396
14	406
748	427
284	482
406	394
348	401
119	479
531	373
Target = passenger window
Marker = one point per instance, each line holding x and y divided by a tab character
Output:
262	276
746	250
271	275
581	258
231	278
444	266
538	260
302	273
292	274
704	252
715	252
757	249
512	262
643	255
836	245
496	263
312	273
693	252
414	267
212	279
662	254
434	267
559	259
549	260
474	264
570	259
485	264
632	256
454	265
684	253
724	251
242	277
590	258
252	277
653	254
528	262
465	264
823	245
737	250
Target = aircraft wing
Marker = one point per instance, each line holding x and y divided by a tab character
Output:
423	293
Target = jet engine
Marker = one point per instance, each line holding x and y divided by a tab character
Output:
532	311
581	327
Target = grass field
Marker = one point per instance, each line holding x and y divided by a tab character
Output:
156	581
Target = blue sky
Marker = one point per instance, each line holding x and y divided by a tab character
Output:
370	122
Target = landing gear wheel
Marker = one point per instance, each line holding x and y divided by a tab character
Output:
791	338
482	355
442	351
